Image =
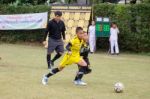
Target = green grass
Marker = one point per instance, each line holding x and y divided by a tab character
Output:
22	67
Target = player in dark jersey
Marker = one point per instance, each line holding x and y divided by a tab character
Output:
84	52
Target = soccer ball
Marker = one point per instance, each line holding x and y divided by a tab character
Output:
118	87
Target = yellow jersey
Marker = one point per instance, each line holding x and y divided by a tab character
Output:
74	57
76	45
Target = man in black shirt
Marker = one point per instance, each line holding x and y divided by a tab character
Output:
56	29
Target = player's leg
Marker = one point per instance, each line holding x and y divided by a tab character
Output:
94	44
91	44
48	57
51	73
57	56
87	70
92	41
82	69
76	77
59	50
54	45
112	44
54	71
116	47
50	49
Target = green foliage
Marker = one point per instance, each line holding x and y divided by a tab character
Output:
96	1
91	1
23	2
146	1
22	35
133	22
6	1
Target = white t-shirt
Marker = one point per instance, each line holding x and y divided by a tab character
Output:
114	33
91	31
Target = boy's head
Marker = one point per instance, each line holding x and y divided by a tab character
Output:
93	22
79	32
85	36
113	25
58	15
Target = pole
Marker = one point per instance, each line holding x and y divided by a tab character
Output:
125	1
92	9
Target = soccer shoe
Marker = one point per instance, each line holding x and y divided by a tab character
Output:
76	82
80	82
44	80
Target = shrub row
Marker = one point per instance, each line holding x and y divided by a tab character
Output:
133	22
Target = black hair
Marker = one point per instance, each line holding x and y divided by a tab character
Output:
78	29
113	23
58	13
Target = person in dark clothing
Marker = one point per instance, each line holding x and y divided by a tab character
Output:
72	56
84	52
55	31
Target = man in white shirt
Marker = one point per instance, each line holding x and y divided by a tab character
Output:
92	38
114	31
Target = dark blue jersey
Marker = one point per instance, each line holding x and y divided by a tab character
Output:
85	50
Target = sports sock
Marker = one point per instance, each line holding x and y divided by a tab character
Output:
80	73
76	77
54	71
56	57
48	60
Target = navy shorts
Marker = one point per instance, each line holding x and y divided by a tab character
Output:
55	45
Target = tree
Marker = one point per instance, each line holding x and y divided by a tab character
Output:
21	2
146	1
7	1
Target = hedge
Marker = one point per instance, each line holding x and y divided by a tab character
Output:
133	22
22	35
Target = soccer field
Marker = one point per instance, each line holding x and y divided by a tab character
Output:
22	67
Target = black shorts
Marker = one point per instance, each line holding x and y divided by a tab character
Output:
86	60
55	45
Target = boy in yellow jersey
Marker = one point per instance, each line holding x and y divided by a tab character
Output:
71	57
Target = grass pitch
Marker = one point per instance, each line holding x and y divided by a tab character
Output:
22	67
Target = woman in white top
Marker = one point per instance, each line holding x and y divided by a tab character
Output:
114	31
92	37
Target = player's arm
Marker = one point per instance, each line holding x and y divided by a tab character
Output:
84	51
46	31
68	47
63	31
